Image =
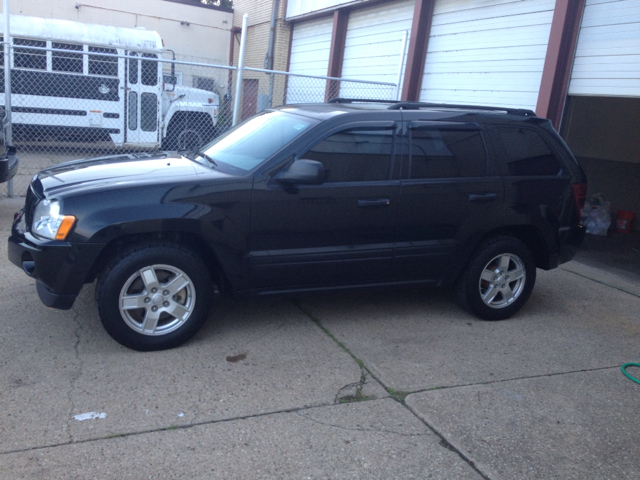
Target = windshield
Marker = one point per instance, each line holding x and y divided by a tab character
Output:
247	145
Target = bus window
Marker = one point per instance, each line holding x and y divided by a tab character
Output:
28	57
101	65
133	69
148	112
149	71
66	61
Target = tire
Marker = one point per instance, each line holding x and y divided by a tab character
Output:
154	296
188	134
497	280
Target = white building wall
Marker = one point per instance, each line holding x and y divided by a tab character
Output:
302	8
487	52
607	61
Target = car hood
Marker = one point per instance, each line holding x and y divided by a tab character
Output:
120	171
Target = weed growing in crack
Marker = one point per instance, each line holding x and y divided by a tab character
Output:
398	395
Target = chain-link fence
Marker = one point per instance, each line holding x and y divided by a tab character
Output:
71	101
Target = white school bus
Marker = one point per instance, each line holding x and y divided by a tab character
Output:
70	83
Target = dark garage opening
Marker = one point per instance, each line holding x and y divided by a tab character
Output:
604	134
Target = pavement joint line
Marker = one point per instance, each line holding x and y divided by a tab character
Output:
601	282
294	410
529	377
400	399
72	404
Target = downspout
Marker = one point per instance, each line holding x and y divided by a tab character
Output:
268	60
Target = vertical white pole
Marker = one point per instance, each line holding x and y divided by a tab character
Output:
403	55
243	39
8	134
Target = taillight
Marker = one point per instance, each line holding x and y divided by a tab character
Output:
579	195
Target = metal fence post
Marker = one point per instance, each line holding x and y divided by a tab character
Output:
236	100
8	134
401	66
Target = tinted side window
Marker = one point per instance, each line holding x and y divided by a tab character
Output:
29	57
437	153
527	152
355	155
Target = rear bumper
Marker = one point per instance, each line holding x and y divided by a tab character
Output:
571	244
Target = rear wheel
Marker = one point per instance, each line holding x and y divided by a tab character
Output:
498	279
154	297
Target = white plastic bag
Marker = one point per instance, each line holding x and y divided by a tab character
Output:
599	219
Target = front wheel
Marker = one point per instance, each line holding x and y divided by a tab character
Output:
154	297
498	279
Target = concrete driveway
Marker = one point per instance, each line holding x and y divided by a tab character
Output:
367	385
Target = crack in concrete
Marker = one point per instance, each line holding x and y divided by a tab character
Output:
360	429
74	378
443	441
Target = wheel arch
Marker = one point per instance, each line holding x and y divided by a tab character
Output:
187	240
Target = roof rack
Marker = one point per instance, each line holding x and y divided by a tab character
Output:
417	105
359	100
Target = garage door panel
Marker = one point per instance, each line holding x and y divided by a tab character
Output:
530	52
497	81
486	10
490	97
519	37
504	21
373	43
607	60
487	52
485	67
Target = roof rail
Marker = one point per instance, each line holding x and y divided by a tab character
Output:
359	100
417	105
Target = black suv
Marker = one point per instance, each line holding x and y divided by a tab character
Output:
307	197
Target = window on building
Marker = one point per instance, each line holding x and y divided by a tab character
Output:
204	83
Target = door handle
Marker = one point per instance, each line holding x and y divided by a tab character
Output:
381	202
483	197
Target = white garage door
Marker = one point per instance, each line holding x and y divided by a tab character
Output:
607	58
310	47
487	52
372	47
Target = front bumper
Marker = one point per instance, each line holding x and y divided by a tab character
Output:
59	268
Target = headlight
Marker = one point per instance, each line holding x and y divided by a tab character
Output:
49	223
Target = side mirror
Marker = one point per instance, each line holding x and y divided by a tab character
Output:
302	172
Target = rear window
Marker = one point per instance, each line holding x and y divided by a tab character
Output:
528	153
441	153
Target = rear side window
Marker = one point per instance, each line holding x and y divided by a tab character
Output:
355	155
528	153
440	153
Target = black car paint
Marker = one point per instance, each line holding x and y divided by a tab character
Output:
266	237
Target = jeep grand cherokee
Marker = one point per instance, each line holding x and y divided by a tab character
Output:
302	198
